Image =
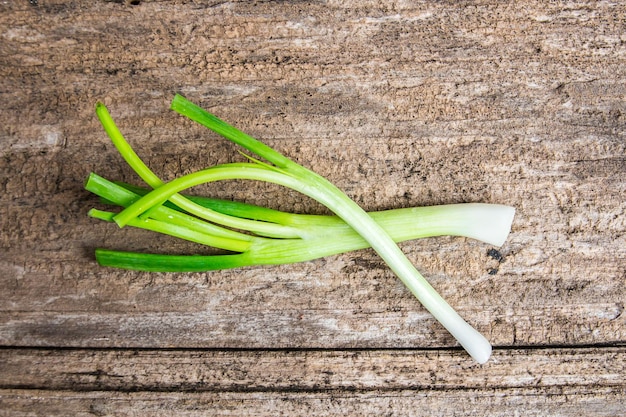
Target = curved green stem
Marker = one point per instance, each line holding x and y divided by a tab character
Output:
124	197
179	231
154	181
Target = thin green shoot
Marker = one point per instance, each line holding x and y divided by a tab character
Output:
154	181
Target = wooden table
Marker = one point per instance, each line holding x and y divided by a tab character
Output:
399	104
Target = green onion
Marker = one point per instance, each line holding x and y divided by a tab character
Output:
261	236
489	223
327	235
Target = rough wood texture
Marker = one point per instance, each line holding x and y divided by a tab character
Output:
261	383
399	104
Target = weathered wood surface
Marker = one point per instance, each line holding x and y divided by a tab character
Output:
399	104
262	383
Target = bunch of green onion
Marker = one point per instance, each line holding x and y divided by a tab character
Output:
253	235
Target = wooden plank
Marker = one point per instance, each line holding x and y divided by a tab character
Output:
550	382
308	370
568	402
310	328
399	104
555	284
427	104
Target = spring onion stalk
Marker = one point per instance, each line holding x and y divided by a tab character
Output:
488	223
328	235
293	237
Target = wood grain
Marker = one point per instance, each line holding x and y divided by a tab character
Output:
399	104
397	382
307	370
493	402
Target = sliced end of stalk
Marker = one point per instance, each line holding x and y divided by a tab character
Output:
491	223
101	215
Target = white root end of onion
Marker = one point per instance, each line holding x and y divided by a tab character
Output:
476	345
490	223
